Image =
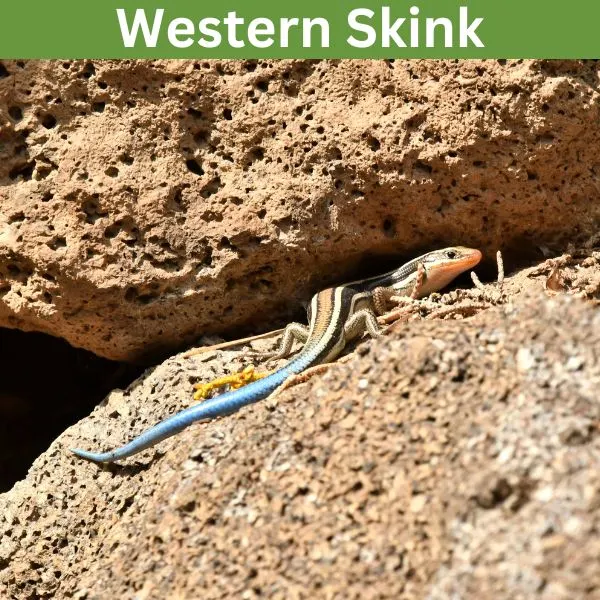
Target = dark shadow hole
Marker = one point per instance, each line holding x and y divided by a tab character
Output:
194	167
47	386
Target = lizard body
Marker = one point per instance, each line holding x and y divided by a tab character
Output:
336	315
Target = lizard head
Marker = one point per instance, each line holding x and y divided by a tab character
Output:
442	266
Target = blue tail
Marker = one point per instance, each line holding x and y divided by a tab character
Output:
220	406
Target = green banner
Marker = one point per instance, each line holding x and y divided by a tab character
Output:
309	29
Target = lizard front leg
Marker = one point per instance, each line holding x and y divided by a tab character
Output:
385	298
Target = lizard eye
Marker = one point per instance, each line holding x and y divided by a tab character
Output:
451	254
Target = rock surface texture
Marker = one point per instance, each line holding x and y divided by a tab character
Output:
145	203
454	459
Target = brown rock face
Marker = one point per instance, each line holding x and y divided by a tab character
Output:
145	203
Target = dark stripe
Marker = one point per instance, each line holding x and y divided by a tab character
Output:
391	278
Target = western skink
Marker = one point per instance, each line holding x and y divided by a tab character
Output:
336	315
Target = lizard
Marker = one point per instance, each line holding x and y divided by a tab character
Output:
336	315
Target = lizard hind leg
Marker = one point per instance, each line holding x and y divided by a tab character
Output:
360	321
293	332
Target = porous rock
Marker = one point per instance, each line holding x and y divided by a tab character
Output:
143	203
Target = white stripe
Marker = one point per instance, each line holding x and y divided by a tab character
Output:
335	314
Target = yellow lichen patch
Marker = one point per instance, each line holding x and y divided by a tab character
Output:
234	381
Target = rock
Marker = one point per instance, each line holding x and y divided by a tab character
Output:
145	203
449	495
